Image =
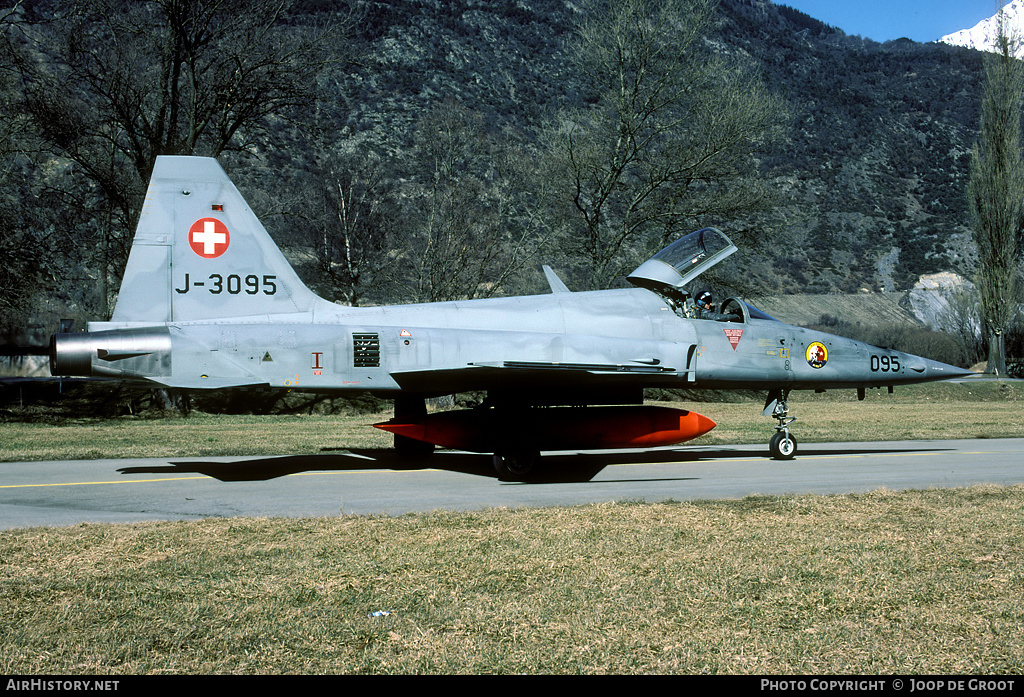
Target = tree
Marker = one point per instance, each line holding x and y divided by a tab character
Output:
352	212
996	196
112	84
961	319
669	139
466	230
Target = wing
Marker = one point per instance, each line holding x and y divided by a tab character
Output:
540	378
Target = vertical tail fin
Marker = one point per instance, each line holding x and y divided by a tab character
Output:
199	252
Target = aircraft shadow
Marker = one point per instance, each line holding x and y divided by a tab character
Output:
554	468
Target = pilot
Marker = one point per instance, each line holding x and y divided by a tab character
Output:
706	309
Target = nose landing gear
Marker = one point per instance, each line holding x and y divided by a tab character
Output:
782	445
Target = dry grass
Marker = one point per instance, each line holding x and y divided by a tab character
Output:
941	411
195	436
915	582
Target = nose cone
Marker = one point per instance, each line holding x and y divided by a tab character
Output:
667	426
702	424
409	429
926	369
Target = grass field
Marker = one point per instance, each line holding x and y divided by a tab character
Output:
918	582
987	409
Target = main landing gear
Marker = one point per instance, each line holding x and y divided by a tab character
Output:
410	448
782	446
515	464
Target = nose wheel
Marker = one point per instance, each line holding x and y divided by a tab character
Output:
782	445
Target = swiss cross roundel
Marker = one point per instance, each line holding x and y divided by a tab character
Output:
209	238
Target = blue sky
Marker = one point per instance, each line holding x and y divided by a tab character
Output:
882	20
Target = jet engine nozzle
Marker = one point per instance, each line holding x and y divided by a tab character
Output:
71	354
143	352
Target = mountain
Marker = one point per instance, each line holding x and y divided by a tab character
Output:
871	177
874	174
982	35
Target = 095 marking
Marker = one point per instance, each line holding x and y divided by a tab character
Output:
885	364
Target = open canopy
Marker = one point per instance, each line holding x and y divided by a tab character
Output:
682	261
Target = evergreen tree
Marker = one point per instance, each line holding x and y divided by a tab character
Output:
996	196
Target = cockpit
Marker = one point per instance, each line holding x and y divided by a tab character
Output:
670	270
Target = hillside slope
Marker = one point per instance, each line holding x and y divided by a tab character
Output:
872	180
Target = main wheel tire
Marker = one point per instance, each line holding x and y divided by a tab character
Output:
782	446
515	465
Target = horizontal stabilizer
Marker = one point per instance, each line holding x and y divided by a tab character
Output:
208	383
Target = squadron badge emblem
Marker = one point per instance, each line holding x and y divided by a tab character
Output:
817	355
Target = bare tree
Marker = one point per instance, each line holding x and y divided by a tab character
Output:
467	232
671	137
112	84
996	196
351	221
961	319
33	240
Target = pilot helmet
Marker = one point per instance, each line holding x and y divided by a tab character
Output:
704	298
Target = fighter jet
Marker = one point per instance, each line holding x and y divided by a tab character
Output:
208	302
